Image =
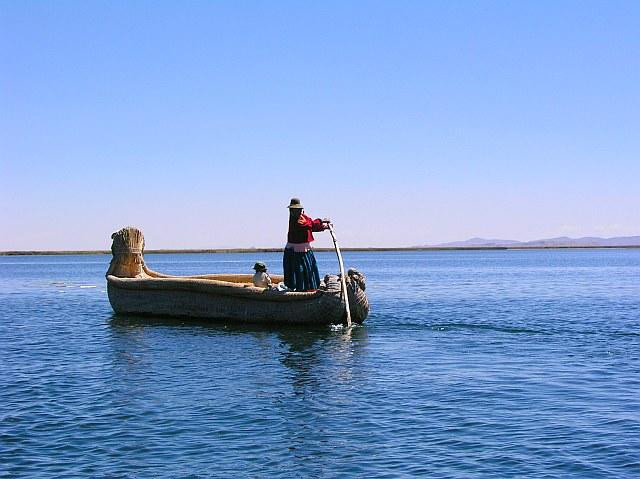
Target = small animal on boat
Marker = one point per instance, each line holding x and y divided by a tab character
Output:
261	278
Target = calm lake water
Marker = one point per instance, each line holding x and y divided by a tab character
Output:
472	364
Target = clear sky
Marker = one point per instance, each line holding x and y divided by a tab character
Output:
407	123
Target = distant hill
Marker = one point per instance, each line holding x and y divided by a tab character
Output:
562	241
475	242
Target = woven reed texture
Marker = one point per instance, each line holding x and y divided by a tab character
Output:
134	288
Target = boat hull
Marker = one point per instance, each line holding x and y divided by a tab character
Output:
209	299
135	289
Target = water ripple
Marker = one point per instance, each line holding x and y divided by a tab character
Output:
472	364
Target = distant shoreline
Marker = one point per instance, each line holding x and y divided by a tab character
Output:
279	250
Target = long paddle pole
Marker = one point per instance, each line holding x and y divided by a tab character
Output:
343	279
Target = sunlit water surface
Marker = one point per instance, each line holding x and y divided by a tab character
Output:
472	364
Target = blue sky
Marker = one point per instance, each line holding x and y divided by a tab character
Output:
406	122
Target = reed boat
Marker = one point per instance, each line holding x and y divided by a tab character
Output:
133	288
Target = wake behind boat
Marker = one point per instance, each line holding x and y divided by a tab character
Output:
133	288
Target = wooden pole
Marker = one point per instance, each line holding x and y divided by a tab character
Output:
342	276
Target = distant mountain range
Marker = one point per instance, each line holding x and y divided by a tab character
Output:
562	241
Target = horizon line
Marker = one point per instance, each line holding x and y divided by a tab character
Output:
320	250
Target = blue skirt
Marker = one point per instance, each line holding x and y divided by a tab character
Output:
300	270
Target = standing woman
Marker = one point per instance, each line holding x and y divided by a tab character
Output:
300	268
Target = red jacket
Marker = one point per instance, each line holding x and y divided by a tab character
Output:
301	233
